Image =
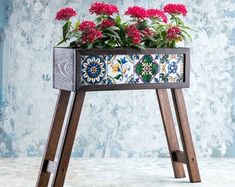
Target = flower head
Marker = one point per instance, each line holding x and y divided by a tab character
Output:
65	14
134	34
107	23
175	9
137	12
90	35
100	8
173	33
147	32
86	25
156	13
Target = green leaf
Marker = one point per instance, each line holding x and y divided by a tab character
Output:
62	41
113	28
186	27
142	25
118	20
111	33
77	24
66	29
90	46
139	46
187	34
163	34
98	19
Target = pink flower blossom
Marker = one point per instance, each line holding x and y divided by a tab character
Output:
175	9
137	12
156	13
100	8
147	32
86	25
107	23
134	34
90	35
173	33
65	14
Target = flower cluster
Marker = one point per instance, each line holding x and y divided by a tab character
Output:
173	33
137	12
134	34
65	14
175	9
156	13
86	25
107	23
147	28
101	8
91	35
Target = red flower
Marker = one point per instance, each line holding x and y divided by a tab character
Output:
156	13
175	9
147	32
137	12
91	35
86	25
173	33
107	23
65	14
100	8
134	34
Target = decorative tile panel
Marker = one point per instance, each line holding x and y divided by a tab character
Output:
146	70
93	70
171	68
132	69
120	70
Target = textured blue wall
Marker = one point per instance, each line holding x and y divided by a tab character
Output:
5	139
113	124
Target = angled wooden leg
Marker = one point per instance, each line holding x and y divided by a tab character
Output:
185	133
53	139
170	132
68	140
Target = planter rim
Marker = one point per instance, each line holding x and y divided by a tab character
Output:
179	50
122	48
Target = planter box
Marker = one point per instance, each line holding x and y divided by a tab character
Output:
77	69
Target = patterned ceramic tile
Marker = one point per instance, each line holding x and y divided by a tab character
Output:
120	70
93	70
132	69
171	68
146	70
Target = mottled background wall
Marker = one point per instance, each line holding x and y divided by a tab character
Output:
113	124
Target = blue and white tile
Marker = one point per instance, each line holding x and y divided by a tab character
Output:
120	70
93	70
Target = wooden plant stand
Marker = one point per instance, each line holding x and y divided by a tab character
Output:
68	78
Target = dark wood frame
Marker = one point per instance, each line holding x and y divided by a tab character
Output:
59	168
75	61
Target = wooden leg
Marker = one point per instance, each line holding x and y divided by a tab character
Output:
185	133
53	139
68	140
170	132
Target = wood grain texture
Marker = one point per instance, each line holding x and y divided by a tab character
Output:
186	137
67	64
64	68
170	132
68	140
53	139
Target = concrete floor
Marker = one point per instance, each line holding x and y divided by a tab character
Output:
95	172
